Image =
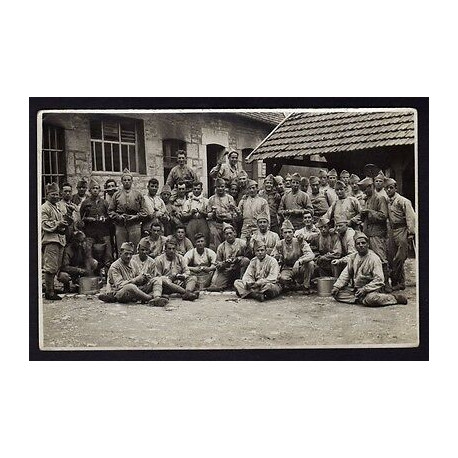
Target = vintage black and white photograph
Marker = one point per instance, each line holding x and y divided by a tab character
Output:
228	228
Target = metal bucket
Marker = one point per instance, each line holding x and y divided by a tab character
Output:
324	286
89	285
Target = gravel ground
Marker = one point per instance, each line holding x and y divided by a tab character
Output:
221	320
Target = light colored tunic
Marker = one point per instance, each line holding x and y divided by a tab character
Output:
297	202
401	213
156	246
168	268
155	206
251	208
347	208
184	173
270	238
119	275
51	216
194	259
148	266
363	272
267	269
309	235
129	202
288	254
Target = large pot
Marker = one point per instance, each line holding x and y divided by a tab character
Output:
324	286
89	285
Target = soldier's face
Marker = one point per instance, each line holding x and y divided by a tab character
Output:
165	196
126	256
315	187
332	180
368	191
126	181
323	181
341	228
295	185
378	182
361	246
152	189
181	189
391	190
307	219
67	193
82	190
341	193
287	182
220	189
200	243
324	230
233	159
234	189
110	188
242	181
95	190
181	159
268	185
181	234
355	187
197	190
229	235
345	178
155	232
53	197
170	250
261	252
288	234
143	252
253	190
263	225
281	187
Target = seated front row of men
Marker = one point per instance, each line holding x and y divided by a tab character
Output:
290	266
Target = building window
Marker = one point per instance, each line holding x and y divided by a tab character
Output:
117	144
52	156
169	149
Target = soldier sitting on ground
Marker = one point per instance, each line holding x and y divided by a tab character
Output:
175	274
76	262
362	280
260	280
127	284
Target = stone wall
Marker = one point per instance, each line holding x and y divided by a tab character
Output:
196	129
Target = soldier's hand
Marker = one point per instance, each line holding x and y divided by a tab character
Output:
359	293
335	291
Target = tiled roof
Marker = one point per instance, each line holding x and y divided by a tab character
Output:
270	117
304	134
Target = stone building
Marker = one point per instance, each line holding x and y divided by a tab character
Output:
76	144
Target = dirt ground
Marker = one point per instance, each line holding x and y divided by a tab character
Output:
221	320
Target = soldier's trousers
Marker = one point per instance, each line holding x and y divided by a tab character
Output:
298	273
270	290
397	254
374	299
133	293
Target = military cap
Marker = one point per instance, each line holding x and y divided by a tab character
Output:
287	224
332	173
258	243
228	226
389	182
252	183
93	182
344	173
323	221
269	178
242	173
380	175
322	173
51	187
366	182
360	235
126	172
340	219
340	184
288	176
262	216
144	242
296	176
279	179
219	182
81	183
166	188
127	246
314	180
354	178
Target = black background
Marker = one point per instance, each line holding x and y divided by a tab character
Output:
421	104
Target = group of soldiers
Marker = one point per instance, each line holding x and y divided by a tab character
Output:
262	242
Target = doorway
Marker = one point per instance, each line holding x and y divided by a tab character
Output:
215	155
